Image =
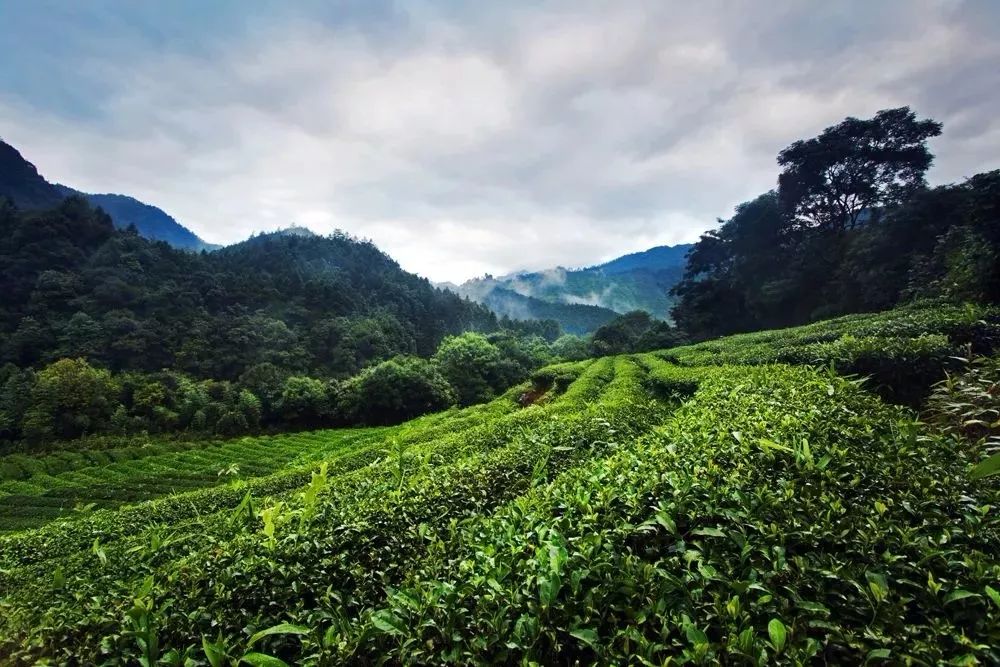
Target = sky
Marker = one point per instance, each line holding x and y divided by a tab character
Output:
472	137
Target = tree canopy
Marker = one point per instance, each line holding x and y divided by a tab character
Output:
851	227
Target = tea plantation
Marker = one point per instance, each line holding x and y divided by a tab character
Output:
781	497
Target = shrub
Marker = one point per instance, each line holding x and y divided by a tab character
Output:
394	391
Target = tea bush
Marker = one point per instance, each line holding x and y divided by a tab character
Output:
703	504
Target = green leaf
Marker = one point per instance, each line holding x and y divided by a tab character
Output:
664	520
708	532
695	635
878	585
990	466
386	621
280	629
771	444
548	589
215	653
994	595
778	634
960	594
878	654
586	635
263	660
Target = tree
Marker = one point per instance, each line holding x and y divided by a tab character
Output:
305	401
571	348
393	391
837	179
621	334
70	398
15	399
469	362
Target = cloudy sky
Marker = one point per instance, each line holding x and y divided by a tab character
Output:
466	137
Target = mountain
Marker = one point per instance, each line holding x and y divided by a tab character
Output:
638	281
150	221
74	286
21	182
660	258
572	318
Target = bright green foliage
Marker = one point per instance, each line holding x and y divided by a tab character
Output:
69	398
305	400
624	510
469	362
902	352
395	390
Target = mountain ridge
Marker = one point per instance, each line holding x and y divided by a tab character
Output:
22	183
636	281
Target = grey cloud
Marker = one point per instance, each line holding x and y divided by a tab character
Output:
465	138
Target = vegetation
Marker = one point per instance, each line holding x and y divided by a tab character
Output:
495	494
852	227
582	300
103	332
698	504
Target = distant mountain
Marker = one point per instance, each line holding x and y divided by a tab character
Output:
572	318
638	281
150	221
660	258
74	286
21	182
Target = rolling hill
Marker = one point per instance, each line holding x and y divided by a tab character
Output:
22	184
638	281
700	505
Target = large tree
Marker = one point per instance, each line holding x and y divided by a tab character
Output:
834	181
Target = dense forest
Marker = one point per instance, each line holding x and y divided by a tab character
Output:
851	227
106	331
581	300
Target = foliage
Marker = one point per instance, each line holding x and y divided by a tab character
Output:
470	363
850	169
967	404
851	228
323	306
636	331
68	399
394	391
900	353
637	511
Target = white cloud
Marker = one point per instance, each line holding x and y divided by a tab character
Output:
504	139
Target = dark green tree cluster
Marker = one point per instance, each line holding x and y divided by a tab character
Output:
70	398
852	227
634	332
105	331
329	306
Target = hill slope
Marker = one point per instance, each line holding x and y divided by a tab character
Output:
686	513
151	221
572	318
75	287
639	281
21	182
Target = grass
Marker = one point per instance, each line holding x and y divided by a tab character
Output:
694	505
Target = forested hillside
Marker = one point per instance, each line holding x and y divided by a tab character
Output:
573	318
104	331
701	504
851	227
22	184
639	281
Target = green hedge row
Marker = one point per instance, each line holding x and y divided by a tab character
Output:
781	517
